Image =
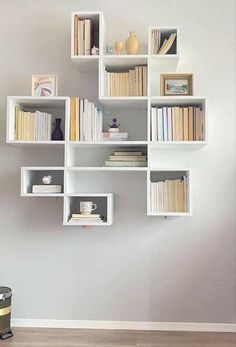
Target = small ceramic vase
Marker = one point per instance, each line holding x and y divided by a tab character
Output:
47	179
57	134
132	44
118	47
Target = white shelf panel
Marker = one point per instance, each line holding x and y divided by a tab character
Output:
128	101
108	143
169	214
177	100
36	143
86	63
45	101
132	169
177	144
124	60
31	195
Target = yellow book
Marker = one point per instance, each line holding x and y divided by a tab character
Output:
72	113
76	23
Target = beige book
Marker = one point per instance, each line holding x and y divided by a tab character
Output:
87	36
181	124
77	119
17	112
198	130
175	196
72	112
179	195
167	44
136	81
190	123
140	83
186	125
144	80
177	123
127	83
76	20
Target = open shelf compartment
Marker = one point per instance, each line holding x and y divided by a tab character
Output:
58	107
167	105
105	207
171	198
31	176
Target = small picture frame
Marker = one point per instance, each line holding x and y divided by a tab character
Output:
176	84
44	85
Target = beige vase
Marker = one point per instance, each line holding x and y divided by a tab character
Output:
118	47
132	44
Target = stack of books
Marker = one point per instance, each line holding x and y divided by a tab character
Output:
162	42
130	83
169	195
85	120
126	159
177	124
79	217
32	126
82	36
46	189
114	136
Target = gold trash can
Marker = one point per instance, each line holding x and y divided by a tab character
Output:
5	313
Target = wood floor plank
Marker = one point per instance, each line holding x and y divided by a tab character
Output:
116	338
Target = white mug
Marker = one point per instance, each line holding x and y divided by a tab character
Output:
86	207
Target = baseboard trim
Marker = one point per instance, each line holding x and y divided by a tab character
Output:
123	325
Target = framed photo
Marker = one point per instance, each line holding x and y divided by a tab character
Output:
44	85
176	84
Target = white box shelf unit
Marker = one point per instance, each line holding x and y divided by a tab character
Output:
167	194
176	101
105	207
33	176
58	107
84	160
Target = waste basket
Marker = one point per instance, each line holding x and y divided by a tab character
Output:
5	313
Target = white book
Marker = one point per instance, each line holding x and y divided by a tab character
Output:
165	124
160	123
81	116
81	37
85	116
87	36
154	124
169	121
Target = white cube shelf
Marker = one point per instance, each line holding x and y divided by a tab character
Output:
157	175
180	101
33	176
57	106
105	207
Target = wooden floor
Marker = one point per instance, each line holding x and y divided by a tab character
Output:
115	338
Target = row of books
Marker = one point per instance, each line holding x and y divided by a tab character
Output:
32	125
86	120
169	195
130	83
162	42
126	159
87	218
82	36
177	124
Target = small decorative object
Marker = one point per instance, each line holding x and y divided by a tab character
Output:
114	127
86	207
132	44
47	179
109	50
57	134
118	47
95	51
176	84
44	85
5	313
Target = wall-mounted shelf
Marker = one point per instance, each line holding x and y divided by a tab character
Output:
84	160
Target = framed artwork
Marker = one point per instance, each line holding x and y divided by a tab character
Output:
176	84
44	85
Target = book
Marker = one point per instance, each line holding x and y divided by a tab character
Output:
87	36
76	20
81	215
124	164
126	158
114	136
129	153
46	188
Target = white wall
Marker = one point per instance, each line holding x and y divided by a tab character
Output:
141	268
